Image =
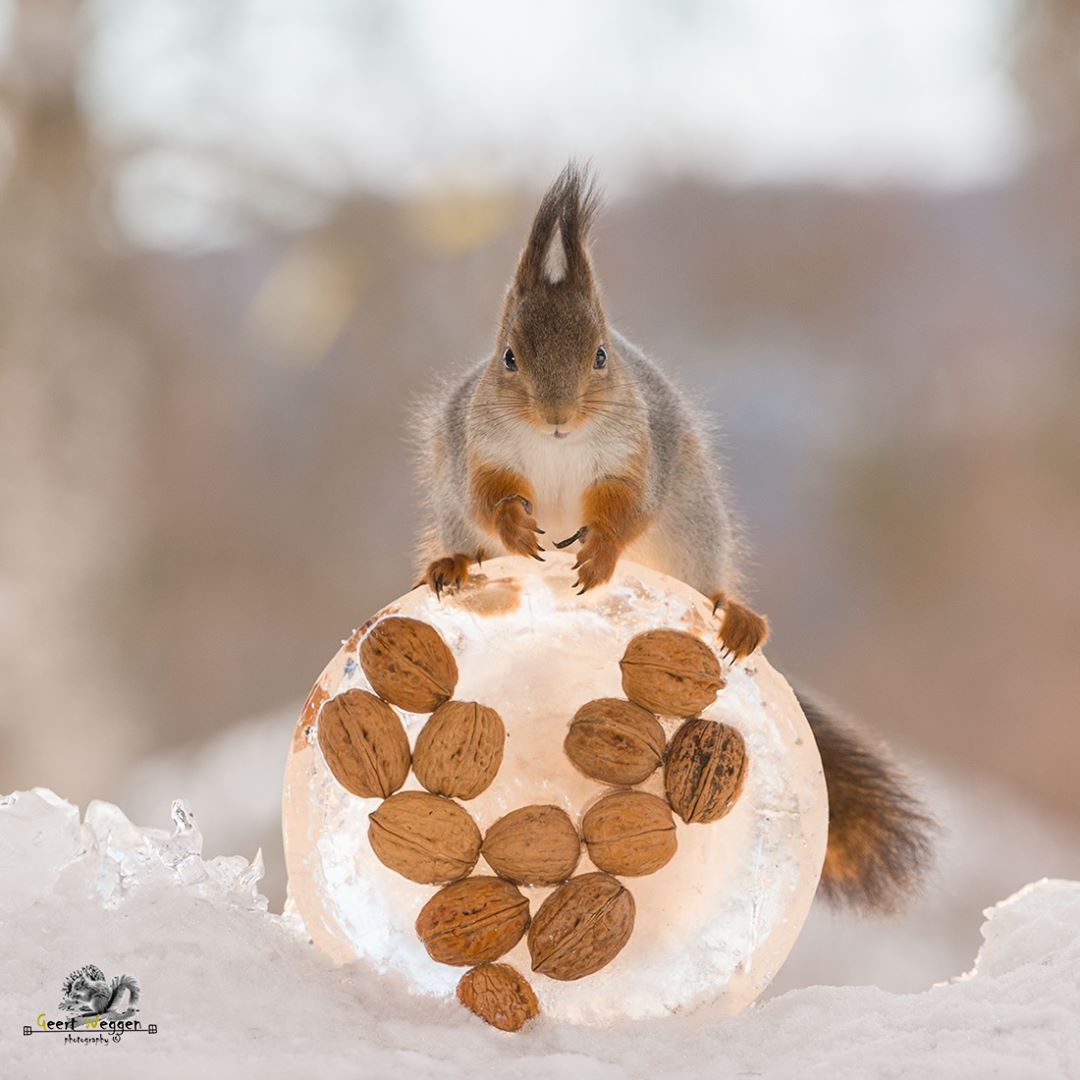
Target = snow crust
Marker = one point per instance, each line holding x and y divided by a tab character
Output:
236	990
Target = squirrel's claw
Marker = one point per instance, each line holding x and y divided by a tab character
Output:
452	571
596	560
741	630
579	535
517	528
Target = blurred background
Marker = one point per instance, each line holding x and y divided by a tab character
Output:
236	239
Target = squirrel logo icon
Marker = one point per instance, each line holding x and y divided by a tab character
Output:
566	429
86	992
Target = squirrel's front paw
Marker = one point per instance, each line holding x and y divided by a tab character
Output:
596	560
450	571
741	630
517	527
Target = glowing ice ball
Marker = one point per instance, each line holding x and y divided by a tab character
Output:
713	925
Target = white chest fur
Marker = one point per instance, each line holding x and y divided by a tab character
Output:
559	470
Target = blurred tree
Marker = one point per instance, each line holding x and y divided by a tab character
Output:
1045	55
73	387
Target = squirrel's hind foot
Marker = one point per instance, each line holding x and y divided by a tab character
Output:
451	571
741	630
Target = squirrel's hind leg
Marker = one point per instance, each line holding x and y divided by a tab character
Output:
449	572
450	532
741	629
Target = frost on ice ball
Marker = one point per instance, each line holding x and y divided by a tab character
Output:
617	908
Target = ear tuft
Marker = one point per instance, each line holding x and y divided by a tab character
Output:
556	249
555	265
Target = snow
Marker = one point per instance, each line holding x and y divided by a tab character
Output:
237	990
993	842
737	890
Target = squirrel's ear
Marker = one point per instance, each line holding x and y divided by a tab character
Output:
556	249
581	201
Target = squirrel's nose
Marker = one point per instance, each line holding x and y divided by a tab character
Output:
557	417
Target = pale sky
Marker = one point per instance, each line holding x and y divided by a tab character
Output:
403	94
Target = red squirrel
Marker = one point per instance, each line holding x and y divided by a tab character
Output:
567	433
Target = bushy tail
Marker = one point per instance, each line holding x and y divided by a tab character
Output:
120	985
880	835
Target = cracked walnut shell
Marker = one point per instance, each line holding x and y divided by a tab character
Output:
498	994
364	744
473	921
581	927
705	770
615	741
424	837
535	845
408	664
630	833
670	672
459	750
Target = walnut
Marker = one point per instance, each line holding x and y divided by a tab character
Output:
498	994
536	845
473	921
705	770
364	744
670	672
630	832
615	741
408	664
581	927
459	750
424	837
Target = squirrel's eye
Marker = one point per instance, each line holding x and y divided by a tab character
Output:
601	357
508	360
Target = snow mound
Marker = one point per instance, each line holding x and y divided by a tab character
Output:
236	990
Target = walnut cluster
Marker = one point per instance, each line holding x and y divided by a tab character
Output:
430	838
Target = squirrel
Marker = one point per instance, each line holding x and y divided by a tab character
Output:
87	992
569	426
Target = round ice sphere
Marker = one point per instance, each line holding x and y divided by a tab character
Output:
713	925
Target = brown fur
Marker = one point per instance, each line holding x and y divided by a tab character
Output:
502	503
880	836
569	205
614	516
742	630
449	572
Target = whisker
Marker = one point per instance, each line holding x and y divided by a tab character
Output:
628	405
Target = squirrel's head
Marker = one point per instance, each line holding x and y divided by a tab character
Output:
553	360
